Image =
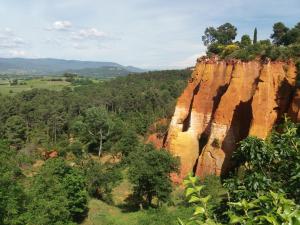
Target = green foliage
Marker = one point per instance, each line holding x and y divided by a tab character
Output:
255	36
101	179
272	164
263	190
282	35
127	143
15	131
245	41
57	195
223	34
138	100
285	46
229	49
271	208
215	48
163	216
202	208
94	127
279	33
48	203
149	172
12	196
226	33
278	53
76	148
213	187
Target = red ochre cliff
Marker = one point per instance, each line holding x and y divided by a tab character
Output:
224	102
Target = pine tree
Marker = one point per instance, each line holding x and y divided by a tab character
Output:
255	36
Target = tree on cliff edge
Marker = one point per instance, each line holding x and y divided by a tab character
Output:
255	36
245	41
223	34
279	33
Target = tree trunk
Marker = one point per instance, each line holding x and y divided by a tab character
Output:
55	132
100	145
149	199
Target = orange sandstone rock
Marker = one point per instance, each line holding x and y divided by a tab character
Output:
156	140
230	120
223	102
271	98
294	111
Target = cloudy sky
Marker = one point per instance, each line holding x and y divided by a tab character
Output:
143	33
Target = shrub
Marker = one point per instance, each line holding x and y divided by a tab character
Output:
229	49
271	208
215	48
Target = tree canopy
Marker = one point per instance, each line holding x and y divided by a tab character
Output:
223	34
149	171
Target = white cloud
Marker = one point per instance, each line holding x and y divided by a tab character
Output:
90	33
17	53
62	25
11	44
8	39
8	30
79	46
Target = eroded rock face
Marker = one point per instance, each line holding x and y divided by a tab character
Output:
272	96
294	111
224	102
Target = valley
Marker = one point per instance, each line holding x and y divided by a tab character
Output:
210	135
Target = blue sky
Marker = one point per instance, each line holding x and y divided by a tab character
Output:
145	33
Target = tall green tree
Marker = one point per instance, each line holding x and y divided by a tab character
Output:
127	143
12	196
94	127
255	36
279	33
57	195
210	36
15	131
226	33
245	41
223	34
149	173
101	179
292	36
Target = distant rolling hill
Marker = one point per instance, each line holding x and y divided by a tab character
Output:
48	66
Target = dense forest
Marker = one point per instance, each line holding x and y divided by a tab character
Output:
80	125
62	150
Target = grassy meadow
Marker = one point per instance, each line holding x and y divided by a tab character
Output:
101	213
47	82
28	84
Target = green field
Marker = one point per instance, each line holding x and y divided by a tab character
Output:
50	83
43	83
101	213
